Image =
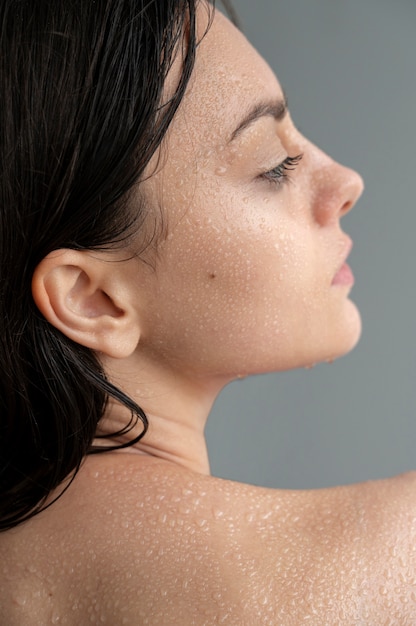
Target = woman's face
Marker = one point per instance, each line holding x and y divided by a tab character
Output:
251	276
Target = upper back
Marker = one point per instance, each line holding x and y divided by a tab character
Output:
139	541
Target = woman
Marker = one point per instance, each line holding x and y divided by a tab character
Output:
166	229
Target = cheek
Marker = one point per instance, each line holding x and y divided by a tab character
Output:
232	290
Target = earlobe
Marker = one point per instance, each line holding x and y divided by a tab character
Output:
83	296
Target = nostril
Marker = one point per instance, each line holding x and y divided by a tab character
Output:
346	207
351	189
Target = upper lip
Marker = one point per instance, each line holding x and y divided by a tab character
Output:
347	249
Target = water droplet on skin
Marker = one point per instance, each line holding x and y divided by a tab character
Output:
221	170
202	523
393	551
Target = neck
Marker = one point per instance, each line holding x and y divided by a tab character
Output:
177	409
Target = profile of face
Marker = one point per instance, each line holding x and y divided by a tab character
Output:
251	276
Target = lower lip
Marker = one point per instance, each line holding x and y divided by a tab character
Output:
344	276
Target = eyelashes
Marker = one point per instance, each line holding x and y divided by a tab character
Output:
279	175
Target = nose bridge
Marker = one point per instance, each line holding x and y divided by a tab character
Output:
337	188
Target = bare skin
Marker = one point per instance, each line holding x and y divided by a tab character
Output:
140	541
247	280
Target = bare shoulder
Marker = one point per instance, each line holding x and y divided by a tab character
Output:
136	541
214	551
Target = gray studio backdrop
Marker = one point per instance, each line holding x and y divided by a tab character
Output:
349	69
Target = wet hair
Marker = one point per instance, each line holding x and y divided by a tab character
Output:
82	111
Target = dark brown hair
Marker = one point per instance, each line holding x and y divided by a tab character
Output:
81	114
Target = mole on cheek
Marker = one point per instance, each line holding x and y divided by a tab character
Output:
212	275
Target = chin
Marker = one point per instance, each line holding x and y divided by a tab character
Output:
347	333
335	340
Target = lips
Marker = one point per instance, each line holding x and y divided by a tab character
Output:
344	275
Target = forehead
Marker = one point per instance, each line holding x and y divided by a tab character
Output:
229	77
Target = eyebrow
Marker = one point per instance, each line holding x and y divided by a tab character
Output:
276	108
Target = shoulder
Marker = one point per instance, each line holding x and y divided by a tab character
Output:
206	545
141	539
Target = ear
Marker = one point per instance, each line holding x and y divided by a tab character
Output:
86	296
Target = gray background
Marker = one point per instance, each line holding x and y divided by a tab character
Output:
349	69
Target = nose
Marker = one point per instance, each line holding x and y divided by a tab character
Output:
336	189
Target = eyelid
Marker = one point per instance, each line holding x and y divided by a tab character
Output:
278	175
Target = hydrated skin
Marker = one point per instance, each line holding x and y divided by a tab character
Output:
243	280
242	283
137	541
